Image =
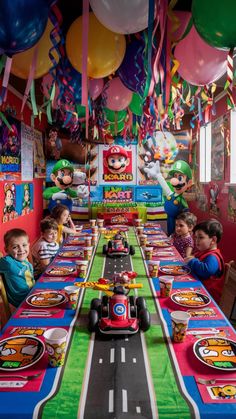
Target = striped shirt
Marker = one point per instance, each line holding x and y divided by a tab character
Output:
43	250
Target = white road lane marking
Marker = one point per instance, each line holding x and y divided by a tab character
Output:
122	354
126	339
138	409
100	361
134	360
111	401
112	355
124	401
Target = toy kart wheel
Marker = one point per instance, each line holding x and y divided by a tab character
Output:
104	300
105	306
132	306
126	245
132	250
109	244
96	305
104	249
141	303
144	320
93	320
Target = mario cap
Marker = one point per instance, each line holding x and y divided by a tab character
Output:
183	167
117	150
62	164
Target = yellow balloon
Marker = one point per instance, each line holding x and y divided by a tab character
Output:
21	62
106	49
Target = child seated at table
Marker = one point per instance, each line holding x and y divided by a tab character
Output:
65	224
17	270
45	249
182	237
208	263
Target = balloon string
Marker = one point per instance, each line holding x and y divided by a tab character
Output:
30	79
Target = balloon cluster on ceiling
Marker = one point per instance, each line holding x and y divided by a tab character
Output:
145	61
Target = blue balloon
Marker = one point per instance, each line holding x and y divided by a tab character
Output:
22	24
131	70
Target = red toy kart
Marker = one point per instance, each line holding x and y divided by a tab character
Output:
118	314
118	246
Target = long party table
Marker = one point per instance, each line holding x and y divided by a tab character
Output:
172	369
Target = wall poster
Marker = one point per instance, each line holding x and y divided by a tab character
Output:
10	147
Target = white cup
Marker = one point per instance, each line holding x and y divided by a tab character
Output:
179	321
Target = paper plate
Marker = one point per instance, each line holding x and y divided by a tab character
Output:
174	269
19	352
151	231
60	271
75	242
216	352
46	299
190	299
164	253
159	243
71	254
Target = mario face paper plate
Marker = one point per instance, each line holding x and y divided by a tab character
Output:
190	299
174	269
19	352
217	353
61	270
46	299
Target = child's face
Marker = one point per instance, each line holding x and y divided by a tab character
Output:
64	217
50	235
18	248
181	228
203	241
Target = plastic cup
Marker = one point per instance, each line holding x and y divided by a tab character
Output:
179	320
100	222
88	240
166	282
148	251
143	239
72	293
88	252
140	230
102	230
138	221
55	341
153	266
82	267
95	229
94	238
92	222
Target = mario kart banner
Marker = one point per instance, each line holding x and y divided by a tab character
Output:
117	194
117	164
10	147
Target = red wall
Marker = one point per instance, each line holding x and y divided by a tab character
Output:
30	222
227	243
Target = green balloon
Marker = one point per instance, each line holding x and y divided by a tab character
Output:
113	116
136	105
215	22
114	130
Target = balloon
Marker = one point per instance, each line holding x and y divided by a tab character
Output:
47	84
21	62
115	116
183	18
215	21
123	16
117	96
22	24
200	63
115	128
136	105
95	87
106	49
131	71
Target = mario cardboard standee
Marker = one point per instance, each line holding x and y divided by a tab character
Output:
116	159
63	176
180	181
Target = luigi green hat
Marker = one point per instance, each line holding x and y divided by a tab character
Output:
183	167
62	164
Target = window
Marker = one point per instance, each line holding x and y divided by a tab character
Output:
205	154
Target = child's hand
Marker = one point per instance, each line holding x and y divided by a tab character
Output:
188	258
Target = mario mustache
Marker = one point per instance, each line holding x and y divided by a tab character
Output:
117	168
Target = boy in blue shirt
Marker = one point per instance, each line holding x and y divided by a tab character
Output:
17	270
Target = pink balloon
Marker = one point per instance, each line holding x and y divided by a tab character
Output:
95	87
184	18
200	63
117	95
47	83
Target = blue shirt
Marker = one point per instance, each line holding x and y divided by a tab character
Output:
206	268
19	278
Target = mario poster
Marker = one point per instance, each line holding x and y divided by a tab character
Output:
10	147
118	165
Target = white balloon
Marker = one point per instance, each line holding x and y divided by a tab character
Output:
122	16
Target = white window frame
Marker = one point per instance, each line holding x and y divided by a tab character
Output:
205	154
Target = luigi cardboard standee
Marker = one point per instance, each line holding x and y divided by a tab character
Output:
181	180
63	177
